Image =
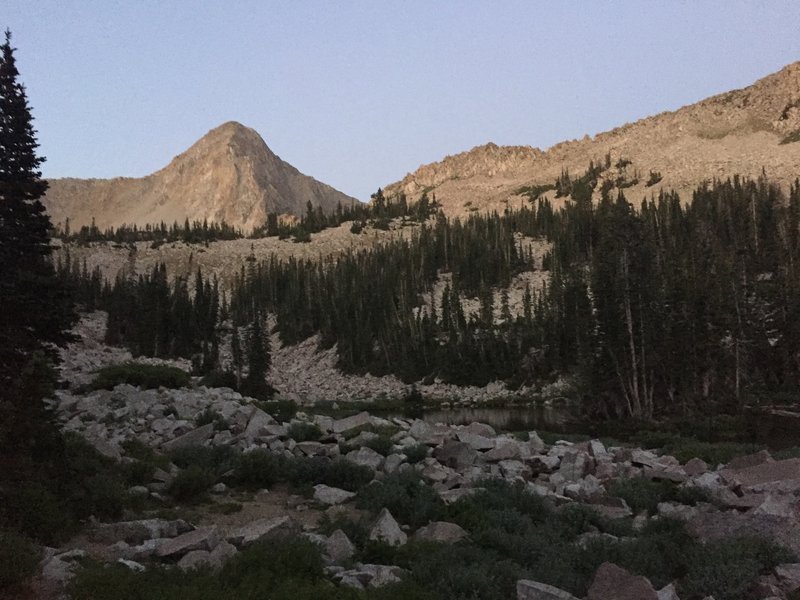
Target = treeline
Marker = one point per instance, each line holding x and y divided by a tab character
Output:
379	213
197	232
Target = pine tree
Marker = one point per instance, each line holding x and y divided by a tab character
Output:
258	362
36	312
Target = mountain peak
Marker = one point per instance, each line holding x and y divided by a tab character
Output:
229	174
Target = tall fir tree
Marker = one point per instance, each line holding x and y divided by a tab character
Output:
36	311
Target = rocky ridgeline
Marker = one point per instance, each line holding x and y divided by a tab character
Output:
752	495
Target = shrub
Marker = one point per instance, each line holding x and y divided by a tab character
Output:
408	498
728	568
209	415
346	475
340	473
466	573
33	509
191	484
144	376
220	379
643	494
304	432
19	559
381	444
214	459
282	410
289	570
258	469
94	484
415	454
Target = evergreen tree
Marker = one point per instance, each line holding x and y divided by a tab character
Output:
258	362
36	312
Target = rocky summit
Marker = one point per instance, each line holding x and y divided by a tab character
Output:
229	175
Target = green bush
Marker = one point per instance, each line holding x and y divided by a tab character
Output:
415	454
282	410
208	416
340	473
289	570
381	444
644	494
258	469
220	379
214	459
466	573
33	509
407	497
191	484
144	376
304	432
19	559
727	568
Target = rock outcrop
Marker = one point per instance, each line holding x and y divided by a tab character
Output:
738	132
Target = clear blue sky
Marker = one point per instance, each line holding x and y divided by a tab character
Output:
358	93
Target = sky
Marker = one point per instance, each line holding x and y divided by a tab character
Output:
359	93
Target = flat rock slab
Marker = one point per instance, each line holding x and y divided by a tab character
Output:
262	529
196	437
779	471
533	590
326	494
615	583
362	419
136	532
203	538
716	525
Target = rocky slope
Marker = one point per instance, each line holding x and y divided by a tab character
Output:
742	131
228	175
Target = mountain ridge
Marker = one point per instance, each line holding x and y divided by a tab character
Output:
738	131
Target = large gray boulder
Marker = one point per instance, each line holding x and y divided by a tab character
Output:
325	494
441	532
196	437
257	425
615	583
456	455
504	449
202	538
533	590
346	424
262	529
366	457
475	441
387	530
338	547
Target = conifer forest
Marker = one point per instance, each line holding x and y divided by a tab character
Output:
671	306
